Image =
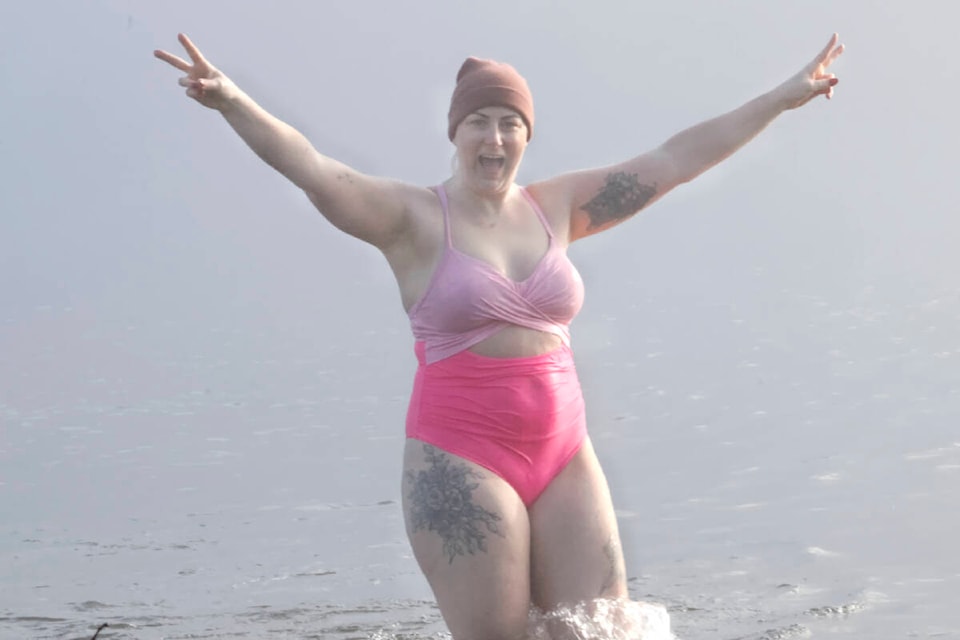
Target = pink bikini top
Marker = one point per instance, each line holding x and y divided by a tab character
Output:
468	300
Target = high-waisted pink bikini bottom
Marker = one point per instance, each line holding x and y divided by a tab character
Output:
521	418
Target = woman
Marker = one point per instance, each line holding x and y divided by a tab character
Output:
505	503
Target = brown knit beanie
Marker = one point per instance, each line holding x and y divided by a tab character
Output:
486	83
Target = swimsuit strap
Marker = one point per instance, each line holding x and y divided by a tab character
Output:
445	205
536	207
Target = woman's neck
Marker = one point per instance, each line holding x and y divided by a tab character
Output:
486	202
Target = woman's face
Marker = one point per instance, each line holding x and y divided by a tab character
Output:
490	144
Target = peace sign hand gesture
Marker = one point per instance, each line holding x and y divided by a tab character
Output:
205	83
813	80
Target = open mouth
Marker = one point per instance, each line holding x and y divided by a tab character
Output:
492	162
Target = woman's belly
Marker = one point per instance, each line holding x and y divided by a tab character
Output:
517	342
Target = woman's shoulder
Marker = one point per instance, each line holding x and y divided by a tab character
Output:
420	204
423	203
553	203
424	215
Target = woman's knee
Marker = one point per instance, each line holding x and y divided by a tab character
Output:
490	627
575	512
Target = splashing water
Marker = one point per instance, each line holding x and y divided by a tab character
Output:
602	619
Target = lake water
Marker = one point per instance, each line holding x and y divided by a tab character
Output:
783	470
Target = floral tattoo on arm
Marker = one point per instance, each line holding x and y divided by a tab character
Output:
618	199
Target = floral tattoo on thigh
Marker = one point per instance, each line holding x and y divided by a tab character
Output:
441	500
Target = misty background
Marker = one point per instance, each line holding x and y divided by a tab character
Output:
134	219
811	280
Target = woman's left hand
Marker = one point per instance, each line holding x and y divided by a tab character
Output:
813	80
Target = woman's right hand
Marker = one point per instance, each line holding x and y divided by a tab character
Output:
205	83
814	79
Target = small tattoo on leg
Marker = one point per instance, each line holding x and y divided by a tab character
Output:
441	501
621	197
616	572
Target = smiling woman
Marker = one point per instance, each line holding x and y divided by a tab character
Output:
491	140
506	506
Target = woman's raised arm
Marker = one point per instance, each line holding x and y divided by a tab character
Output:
369	208
599	199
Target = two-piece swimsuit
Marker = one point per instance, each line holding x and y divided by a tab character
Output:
521	418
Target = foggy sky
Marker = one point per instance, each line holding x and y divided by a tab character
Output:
133	221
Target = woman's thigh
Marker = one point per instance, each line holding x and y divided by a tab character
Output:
471	537
576	554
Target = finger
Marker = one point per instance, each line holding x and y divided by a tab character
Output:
176	61
822	56
826	85
198	86
196	89
191	48
834	55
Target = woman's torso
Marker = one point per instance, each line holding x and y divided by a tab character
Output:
518	247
